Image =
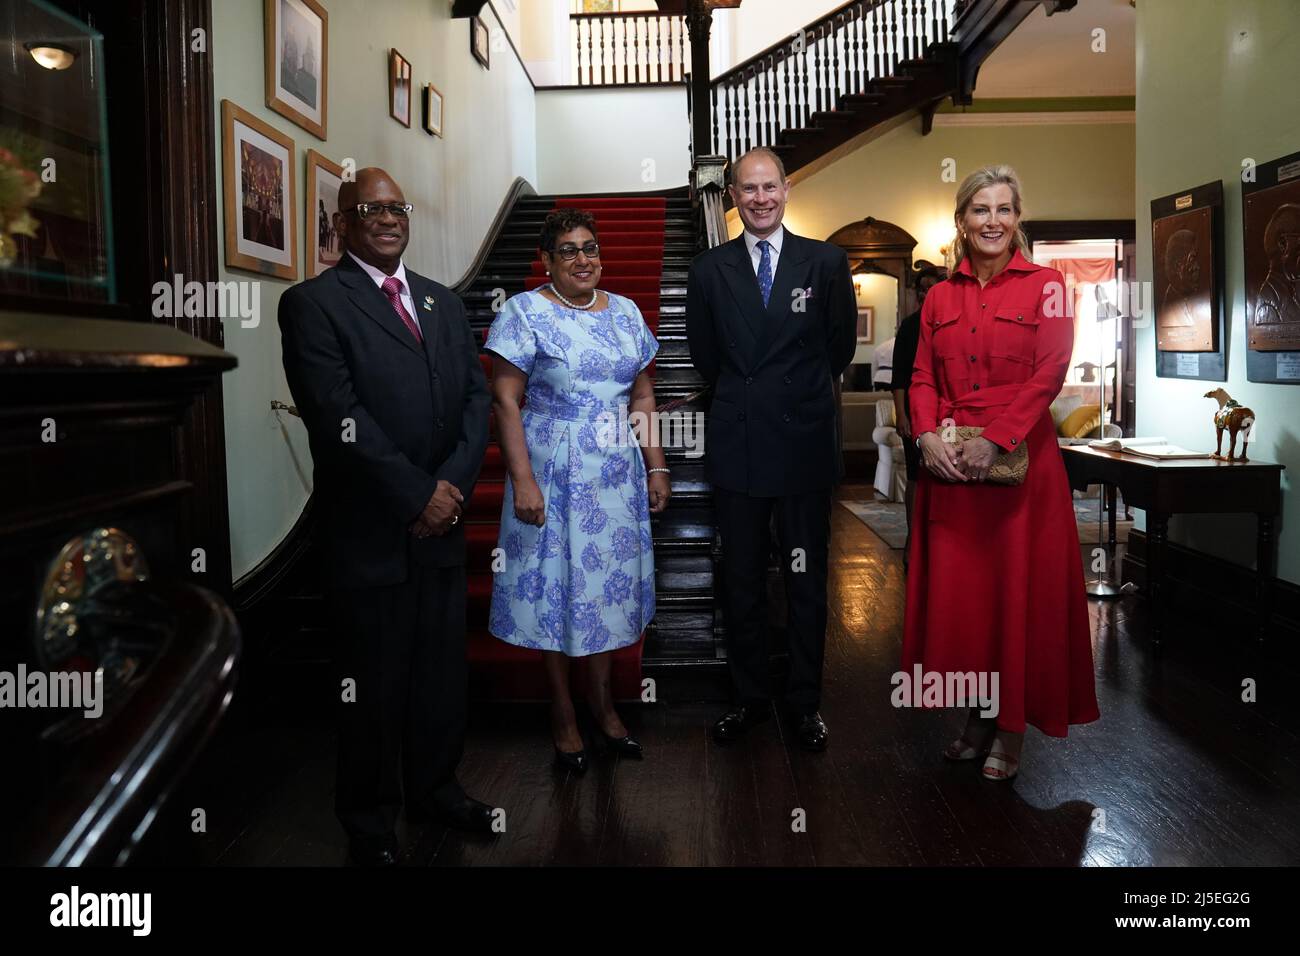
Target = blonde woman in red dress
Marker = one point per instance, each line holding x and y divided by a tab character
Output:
996	581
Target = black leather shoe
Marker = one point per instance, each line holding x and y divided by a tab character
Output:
571	760
472	816
625	746
373	852
812	731
734	723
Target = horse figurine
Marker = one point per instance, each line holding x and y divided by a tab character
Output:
1235	417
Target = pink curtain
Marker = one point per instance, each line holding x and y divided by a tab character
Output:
1080	271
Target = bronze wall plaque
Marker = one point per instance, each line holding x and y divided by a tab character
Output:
1186	299
1272	250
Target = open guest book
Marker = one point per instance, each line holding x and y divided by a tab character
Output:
1146	447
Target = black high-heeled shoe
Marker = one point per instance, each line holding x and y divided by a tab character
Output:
575	761
625	746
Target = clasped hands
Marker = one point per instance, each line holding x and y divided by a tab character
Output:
968	461
442	511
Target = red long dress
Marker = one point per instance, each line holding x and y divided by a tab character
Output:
995	580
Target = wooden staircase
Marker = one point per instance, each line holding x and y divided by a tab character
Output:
862	64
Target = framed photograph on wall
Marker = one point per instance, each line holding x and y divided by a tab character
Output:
258	191
324	244
1270	210
1187	268
431	112
297	62
866	325
399	88
478	41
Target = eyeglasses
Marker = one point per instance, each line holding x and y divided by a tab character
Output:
369	210
569	251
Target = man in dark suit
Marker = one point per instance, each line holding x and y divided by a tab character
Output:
770	318
385	372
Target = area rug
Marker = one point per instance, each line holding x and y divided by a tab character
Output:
886	518
888	521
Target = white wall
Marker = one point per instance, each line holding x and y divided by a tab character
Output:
605	140
456	184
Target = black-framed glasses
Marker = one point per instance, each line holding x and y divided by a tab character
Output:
369	210
569	251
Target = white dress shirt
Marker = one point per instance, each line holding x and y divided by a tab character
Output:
400	275
756	254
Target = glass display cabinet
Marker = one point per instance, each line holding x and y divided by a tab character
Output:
56	237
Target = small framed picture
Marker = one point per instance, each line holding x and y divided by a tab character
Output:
866	324
399	88
478	41
324	244
297	62
432	111
259	197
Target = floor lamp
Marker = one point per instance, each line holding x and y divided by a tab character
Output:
1099	587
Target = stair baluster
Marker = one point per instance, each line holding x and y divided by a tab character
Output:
729	121
623	52
681	50
913	33
876	43
855	37
713	92
819	72
789	87
837	83
589	59
800	78
747	94
774	111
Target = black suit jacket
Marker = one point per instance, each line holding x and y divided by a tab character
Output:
418	414
772	426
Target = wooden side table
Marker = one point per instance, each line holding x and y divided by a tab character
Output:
1188	486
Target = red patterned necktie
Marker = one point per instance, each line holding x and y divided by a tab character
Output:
393	289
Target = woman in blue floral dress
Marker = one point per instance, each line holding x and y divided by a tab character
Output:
574	576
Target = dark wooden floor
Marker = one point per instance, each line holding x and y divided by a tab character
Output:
1179	770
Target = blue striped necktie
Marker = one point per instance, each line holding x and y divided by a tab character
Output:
765	270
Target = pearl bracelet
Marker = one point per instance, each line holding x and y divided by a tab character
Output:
651	471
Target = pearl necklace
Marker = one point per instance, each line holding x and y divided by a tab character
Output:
573	305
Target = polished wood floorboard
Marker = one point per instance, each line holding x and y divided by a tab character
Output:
1178	771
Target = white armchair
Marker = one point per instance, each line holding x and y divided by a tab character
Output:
891	470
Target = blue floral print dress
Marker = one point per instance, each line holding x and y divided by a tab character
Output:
584	582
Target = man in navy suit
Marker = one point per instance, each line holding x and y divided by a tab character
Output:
385	371
770	319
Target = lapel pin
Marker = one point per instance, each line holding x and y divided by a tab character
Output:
428	303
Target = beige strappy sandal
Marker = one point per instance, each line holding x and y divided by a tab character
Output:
1000	767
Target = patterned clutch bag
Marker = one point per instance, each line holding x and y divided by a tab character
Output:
1009	467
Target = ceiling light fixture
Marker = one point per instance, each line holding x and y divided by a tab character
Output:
51	55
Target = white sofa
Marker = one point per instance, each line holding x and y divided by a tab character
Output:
891	467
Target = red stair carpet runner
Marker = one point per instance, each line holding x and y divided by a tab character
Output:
631	234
